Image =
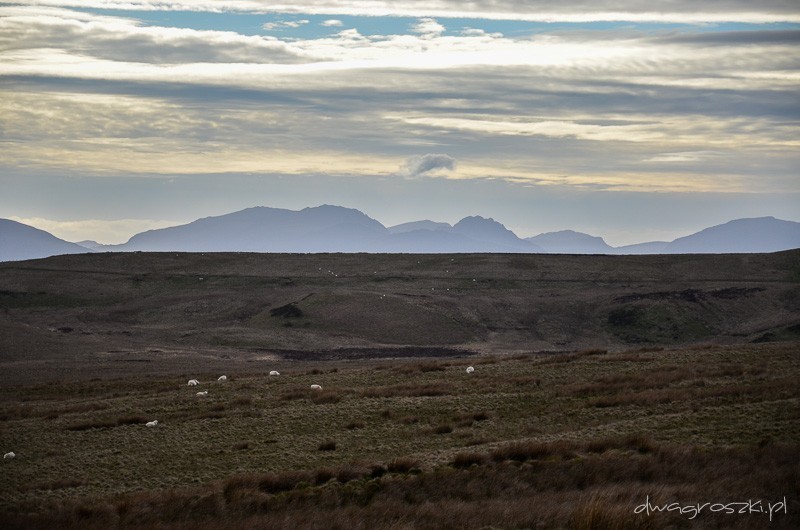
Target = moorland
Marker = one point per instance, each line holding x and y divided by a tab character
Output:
600	382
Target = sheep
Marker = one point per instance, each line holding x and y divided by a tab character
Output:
274	372
152	423
9	455
316	387
203	393
193	382
470	369
222	378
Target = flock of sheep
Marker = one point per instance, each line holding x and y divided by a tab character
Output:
223	378
194	382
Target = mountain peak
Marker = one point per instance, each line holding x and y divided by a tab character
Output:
329	228
19	241
756	234
570	242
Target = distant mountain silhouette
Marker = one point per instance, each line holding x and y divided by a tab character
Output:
418	225
336	229
651	247
571	242
320	229
760	234
19	241
490	232
92	245
326	229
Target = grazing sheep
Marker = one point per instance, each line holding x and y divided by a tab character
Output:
193	382
222	378
274	372
203	393
152	423
316	387
9	455
470	369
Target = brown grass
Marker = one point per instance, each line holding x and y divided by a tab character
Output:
107	423
329	445
464	460
408	390
402	465
597	490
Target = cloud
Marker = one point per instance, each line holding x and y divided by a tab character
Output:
576	108
683	157
426	165
680	11
280	25
427	28
475	32
331	22
52	33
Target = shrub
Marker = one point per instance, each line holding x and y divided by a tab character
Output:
522	451
326	396
402	465
327	446
107	423
444	428
464	460
243	401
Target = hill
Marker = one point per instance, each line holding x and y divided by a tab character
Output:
761	234
571	242
19	241
335	229
85	307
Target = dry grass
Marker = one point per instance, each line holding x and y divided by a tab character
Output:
579	491
379	450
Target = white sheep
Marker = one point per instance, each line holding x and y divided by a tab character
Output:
193	382
203	393
316	387
222	378
274	372
9	455
152	423
470	369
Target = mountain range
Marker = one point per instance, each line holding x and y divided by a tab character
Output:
336	229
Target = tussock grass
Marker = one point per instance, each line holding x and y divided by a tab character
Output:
402	465
327	446
107	423
523	451
408	390
595	491
251	455
464	460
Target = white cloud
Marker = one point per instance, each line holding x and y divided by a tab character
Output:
284	24
549	106
547	128
427	28
680	11
331	22
427	165
475	32
683	157
61	33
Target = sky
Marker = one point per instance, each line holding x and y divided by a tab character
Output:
631	120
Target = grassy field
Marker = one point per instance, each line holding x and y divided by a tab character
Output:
601	383
553	440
